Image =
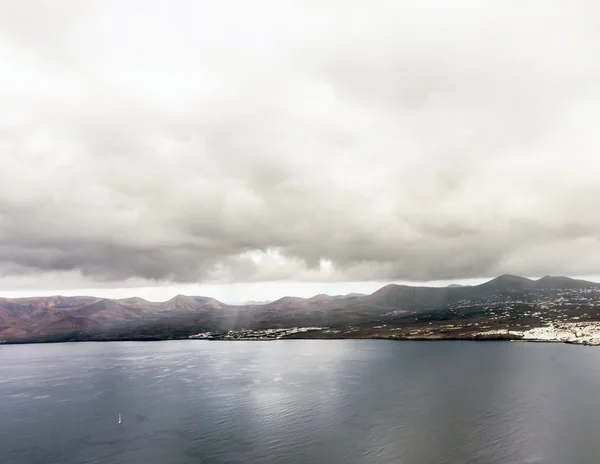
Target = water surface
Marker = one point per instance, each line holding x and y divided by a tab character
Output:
299	401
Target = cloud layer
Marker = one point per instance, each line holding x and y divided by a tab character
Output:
241	141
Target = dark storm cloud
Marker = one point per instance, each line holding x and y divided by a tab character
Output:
196	141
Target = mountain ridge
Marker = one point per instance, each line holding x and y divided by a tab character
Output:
56	318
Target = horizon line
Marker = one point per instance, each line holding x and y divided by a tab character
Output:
262	302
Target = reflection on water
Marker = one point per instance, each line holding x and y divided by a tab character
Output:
299	402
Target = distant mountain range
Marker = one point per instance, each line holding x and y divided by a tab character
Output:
395	311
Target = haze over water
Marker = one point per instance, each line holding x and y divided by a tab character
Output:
303	401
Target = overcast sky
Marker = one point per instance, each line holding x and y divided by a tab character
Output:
259	148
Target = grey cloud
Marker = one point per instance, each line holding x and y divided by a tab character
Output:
400	141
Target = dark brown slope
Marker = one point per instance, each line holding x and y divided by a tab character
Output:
31	319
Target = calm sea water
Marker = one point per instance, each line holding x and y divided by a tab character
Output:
299	402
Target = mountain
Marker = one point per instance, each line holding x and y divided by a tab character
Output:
503	303
182	303
563	282
509	282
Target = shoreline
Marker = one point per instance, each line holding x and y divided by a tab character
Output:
398	339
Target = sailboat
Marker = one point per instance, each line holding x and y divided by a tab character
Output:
119	418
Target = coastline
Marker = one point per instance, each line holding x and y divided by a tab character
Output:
398	339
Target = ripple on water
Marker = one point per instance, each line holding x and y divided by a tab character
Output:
307	401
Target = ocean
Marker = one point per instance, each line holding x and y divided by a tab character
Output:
299	402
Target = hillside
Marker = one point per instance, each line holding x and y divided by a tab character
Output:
504	303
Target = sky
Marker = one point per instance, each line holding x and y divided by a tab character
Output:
249	150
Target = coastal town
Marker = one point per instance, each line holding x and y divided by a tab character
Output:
266	334
548	315
580	333
556	300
